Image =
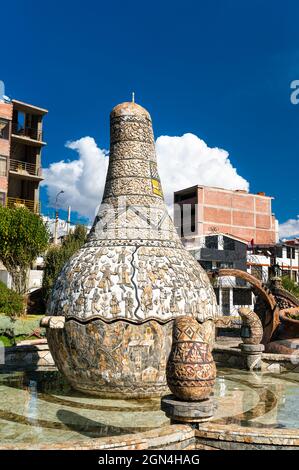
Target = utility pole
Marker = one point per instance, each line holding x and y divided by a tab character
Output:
56	217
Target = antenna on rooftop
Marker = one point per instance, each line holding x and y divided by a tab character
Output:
133	97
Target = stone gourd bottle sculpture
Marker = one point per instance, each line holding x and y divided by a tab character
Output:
118	295
191	370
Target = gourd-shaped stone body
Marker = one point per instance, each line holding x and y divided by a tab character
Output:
121	291
191	370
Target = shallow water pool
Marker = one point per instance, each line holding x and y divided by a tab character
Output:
40	407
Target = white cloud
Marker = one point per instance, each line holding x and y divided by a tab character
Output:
82	179
289	228
187	160
183	161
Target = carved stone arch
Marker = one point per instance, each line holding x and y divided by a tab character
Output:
271	320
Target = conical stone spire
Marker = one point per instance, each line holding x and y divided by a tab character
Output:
120	292
133	209
134	265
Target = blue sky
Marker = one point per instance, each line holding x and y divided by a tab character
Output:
220	70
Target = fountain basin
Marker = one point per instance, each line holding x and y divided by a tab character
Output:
40	410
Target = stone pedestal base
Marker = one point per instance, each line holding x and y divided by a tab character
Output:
191	412
97	357
253	355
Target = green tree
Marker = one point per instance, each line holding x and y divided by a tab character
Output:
11	303
23	236
57	256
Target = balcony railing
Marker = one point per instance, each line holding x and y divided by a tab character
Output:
30	132
13	202
24	168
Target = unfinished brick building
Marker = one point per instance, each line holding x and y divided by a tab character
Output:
203	210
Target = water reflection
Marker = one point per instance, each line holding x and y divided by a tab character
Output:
40	407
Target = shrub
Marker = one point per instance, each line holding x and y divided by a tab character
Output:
6	341
11	303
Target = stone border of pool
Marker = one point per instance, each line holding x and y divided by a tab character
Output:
208	436
181	437
234	437
27	355
35	354
232	356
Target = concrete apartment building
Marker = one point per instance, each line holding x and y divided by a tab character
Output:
261	259
231	229
21	143
203	210
220	251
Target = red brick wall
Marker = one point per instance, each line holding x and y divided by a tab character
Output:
243	202
3	184
223	216
6	110
5	113
243	215
217	198
4	147
243	219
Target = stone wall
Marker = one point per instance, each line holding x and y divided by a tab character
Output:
228	356
35	354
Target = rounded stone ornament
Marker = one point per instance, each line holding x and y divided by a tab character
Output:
191	370
252	328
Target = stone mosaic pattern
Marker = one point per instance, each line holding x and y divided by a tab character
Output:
133	269
191	371
133	266
133	283
123	358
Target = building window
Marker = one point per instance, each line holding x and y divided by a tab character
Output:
290	252
2	199
4	129
224	265
228	244
207	265
278	251
3	166
212	242
242	296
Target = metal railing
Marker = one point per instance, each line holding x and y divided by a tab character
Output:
33	206
30	132
24	167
